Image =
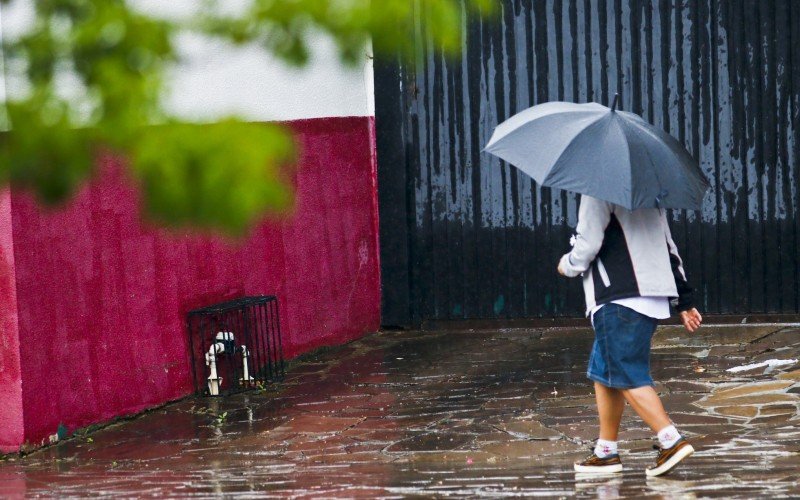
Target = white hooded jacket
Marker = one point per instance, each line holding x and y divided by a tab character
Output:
623	253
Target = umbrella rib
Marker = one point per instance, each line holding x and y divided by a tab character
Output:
635	127
617	122
569	146
670	145
520	130
663	140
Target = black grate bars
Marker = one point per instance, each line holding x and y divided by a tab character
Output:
235	345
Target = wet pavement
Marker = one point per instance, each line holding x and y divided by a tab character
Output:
461	414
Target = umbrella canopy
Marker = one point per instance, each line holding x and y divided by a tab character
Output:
611	155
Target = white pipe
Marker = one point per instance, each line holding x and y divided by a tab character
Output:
214	380
246	378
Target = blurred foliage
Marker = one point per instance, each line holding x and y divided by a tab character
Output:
232	166
283	26
225	175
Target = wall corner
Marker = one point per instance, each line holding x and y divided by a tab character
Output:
11	416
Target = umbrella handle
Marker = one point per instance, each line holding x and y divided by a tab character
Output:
663	194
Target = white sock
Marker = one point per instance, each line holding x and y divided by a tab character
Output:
605	448
668	436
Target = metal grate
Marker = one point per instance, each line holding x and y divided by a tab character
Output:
235	345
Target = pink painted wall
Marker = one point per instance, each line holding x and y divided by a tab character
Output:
11	423
102	298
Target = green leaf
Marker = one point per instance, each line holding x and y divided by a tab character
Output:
45	153
223	176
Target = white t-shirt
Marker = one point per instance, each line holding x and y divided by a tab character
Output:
654	307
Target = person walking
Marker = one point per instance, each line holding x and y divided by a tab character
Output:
631	271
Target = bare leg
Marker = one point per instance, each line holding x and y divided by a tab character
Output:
647	404
610	405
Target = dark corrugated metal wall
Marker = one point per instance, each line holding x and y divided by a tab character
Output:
465	236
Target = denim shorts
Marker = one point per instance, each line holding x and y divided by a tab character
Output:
621	352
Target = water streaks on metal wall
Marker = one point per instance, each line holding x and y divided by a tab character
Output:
482	240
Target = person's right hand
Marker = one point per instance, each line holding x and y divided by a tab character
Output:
691	319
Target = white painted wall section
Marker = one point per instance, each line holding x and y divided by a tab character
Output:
218	79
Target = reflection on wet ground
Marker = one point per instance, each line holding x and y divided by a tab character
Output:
451	414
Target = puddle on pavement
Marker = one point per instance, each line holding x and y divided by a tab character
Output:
449	414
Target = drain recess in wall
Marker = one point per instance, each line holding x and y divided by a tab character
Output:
236	345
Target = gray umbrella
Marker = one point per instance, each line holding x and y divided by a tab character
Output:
612	155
